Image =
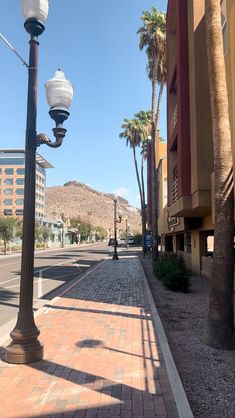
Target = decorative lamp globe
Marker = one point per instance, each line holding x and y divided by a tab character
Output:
35	9
59	92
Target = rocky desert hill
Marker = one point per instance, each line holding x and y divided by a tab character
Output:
77	199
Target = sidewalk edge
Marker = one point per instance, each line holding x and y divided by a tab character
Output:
178	391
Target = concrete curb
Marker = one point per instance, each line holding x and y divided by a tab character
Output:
177	388
51	249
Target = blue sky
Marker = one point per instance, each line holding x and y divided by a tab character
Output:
96	45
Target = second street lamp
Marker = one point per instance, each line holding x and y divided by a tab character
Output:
115	255
25	346
127	233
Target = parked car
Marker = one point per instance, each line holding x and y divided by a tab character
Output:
112	241
121	242
131	240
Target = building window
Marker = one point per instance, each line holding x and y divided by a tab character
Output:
40	169
11	161
224	25
9	171
7	212
19	212
20	182
8	191
20	171
19	202
20	191
8	202
8	181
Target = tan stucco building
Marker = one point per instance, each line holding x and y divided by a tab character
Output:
186	223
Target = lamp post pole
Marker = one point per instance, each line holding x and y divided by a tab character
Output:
127	233
25	346
115	255
62	237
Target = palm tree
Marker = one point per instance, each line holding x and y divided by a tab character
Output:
145	130
136	132
153	38
219	329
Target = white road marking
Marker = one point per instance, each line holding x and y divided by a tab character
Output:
10	280
40	279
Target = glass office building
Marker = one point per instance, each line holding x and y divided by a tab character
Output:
12	172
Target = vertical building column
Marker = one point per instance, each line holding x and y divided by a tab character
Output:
198	249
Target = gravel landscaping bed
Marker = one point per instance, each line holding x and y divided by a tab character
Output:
207	374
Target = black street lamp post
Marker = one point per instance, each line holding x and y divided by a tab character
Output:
127	233
62	235
115	255
25	346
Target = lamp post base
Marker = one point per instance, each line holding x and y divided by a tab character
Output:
115	256
23	349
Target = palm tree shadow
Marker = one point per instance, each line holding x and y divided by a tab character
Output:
6	295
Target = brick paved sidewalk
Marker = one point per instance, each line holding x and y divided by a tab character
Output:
102	355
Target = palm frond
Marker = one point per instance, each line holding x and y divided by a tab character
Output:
152	37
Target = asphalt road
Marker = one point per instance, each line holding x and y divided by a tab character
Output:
52	270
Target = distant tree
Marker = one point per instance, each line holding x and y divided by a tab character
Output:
101	233
19	228
85	229
136	132
42	233
45	233
6	231
124	235
137	238
75	222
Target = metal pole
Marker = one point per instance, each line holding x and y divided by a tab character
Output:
13	50
127	238
115	255
62	237
25	347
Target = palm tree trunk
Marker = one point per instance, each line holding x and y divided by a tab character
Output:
150	158
155	178
159	106
155	191
144	208
137	175
149	184
219	328
141	193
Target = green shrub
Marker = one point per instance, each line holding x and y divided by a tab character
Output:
39	245
138	239
172	272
